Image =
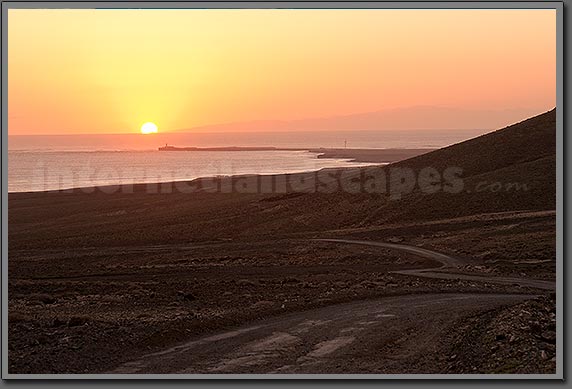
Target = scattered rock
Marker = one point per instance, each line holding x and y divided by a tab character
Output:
291	280
76	321
33	342
245	282
535	327
47	299
549	337
186	296
263	304
43	339
340	284
548	346
58	323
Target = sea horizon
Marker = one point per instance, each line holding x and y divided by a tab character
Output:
62	162
360	139
38	171
332	190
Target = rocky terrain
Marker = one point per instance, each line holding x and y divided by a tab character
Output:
518	340
98	279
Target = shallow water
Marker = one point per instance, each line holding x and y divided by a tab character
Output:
41	170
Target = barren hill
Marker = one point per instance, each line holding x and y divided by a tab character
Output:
521	158
507	170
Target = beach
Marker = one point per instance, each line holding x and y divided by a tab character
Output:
283	191
151	271
41	170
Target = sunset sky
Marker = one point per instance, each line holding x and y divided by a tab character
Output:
109	71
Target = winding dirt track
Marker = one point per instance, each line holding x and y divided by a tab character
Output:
397	334
449	264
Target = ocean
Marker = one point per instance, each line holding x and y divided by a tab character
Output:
56	170
38	163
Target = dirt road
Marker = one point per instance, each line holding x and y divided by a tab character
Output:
389	335
449	265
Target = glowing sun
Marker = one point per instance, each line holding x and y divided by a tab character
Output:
149	128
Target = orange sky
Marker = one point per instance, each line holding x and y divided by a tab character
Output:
109	71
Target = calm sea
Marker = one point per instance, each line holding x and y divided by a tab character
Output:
55	170
37	163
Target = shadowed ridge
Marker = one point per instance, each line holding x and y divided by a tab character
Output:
525	141
523	153
511	169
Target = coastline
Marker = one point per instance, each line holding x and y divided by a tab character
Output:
352	154
103	278
371	156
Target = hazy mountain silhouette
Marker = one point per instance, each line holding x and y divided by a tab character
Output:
523	154
409	118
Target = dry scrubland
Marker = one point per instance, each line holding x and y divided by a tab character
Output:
97	279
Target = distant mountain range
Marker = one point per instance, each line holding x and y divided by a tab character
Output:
410	118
